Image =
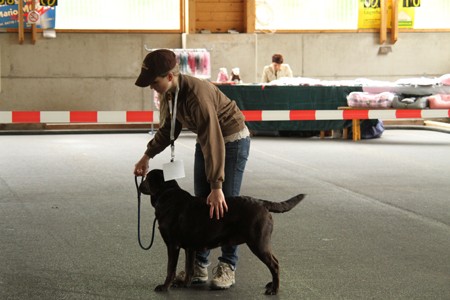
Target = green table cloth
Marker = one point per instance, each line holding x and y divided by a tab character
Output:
258	97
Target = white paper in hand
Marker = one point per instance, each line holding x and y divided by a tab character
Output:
173	170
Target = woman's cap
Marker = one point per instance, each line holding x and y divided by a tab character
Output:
156	63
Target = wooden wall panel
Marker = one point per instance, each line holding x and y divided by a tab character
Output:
220	16
217	15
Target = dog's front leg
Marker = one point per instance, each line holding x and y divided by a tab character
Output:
189	266
172	254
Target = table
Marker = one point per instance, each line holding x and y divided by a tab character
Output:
259	97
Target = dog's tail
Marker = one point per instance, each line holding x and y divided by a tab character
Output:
281	207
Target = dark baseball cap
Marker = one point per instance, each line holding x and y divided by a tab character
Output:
156	63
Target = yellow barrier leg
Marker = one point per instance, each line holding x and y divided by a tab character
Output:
356	129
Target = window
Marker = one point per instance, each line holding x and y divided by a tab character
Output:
298	15
118	14
306	14
272	15
433	14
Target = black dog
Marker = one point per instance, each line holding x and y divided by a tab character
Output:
184	222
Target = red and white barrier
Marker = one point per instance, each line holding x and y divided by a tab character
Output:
7	117
79	117
362	114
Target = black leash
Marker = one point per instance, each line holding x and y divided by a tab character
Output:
139	217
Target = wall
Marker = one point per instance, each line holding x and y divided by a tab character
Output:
0	69
94	71
76	71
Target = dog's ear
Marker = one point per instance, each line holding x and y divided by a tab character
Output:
157	175
153	182
144	187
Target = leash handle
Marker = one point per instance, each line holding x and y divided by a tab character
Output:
139	217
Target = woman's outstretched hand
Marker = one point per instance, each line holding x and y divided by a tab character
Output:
217	204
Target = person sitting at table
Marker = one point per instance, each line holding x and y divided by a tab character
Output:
276	70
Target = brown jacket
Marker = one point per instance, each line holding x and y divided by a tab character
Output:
206	111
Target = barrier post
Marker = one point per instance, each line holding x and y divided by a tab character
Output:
21	25
33	25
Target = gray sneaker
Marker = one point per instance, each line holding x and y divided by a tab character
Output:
200	275
223	276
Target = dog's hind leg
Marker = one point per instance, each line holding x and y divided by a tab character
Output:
263	252
172	253
272	287
269	286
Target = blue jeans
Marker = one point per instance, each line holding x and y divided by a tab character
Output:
236	155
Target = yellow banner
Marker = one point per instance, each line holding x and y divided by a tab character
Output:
406	11
369	13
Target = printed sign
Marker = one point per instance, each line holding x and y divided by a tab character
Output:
369	13
8	2
48	2
411	3
33	17
9	15
406	12
372	3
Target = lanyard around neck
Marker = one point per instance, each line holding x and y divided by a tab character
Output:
173	118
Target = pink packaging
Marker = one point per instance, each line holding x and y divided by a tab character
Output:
364	99
439	101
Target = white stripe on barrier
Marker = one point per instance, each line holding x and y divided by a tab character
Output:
435	113
55	116
382	114
5	117
111	117
329	114
275	115
156	117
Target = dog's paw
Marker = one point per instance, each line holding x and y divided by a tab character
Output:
161	288
179	284
270	290
180	280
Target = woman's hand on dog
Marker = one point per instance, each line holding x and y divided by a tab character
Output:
217	203
141	167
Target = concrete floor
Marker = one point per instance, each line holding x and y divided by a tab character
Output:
375	223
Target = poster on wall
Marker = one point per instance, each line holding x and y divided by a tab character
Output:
406	11
9	14
369	13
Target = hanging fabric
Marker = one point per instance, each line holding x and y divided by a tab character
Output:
195	62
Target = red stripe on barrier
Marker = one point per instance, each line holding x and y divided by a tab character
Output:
83	117
140	116
252	115
26	117
296	115
408	113
355	114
